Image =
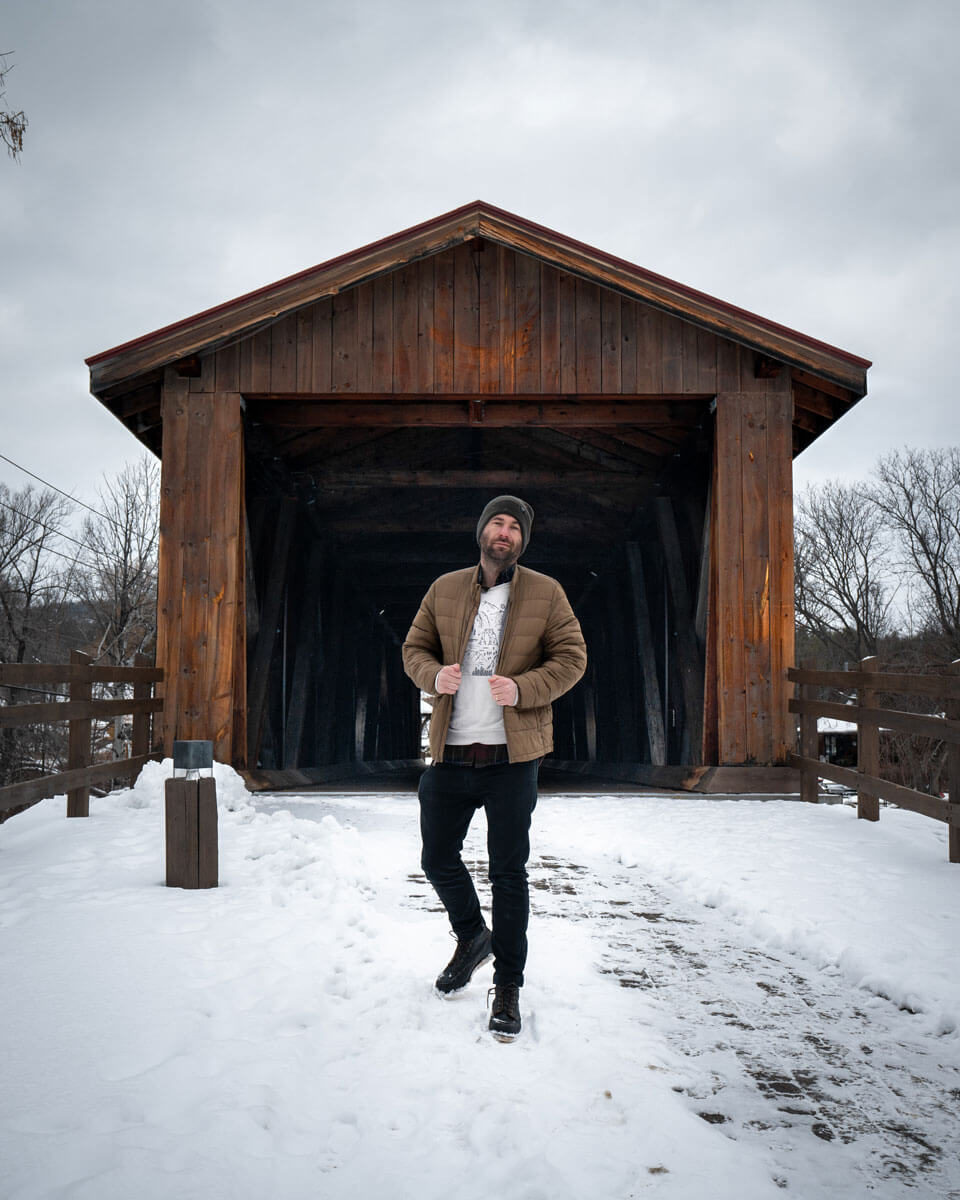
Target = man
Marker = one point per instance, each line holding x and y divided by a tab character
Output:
494	645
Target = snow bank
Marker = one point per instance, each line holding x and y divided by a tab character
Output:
279	1035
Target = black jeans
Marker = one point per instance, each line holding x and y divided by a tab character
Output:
449	797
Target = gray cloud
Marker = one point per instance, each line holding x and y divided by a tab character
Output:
795	158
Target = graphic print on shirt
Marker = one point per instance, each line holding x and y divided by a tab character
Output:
483	648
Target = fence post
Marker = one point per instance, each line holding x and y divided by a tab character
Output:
952	710
78	753
868	746
140	742
809	748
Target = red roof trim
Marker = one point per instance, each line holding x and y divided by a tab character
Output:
480	209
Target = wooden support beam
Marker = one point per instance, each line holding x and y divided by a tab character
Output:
262	653
307	658
753	564
490	411
690	654
643	631
484	478
200	610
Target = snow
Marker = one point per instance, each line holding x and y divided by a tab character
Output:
725	998
835	725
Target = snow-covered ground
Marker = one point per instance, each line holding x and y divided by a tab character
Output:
725	999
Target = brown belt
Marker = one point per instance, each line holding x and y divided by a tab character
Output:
478	754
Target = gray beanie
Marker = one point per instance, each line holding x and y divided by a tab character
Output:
513	506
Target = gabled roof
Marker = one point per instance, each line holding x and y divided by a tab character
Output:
226	321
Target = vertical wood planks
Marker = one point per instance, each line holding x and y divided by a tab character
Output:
498	320
443	318
549	373
727	486
201	571
588	337
611	348
481	317
754	569
406	287
779	502
567	288
322	366
528	317
466	320
755	578
344	345
364	338
190	818
382	347
649	349
173	483
426	284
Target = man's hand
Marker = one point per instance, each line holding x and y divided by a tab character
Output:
448	680
504	690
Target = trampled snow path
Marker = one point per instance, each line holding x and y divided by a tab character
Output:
780	1054
704	1014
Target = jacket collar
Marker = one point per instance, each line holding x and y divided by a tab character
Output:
503	577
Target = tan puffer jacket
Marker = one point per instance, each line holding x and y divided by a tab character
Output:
542	649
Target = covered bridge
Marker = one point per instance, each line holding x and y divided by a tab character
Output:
328	442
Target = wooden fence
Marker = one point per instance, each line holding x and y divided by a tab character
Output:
868	683
80	710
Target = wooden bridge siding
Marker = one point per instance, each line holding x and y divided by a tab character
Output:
200	609
508	324
486	322
753	574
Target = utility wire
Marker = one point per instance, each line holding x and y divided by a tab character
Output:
57	533
46	483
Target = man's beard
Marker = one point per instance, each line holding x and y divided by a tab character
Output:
503	555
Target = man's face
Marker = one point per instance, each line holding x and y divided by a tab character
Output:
501	540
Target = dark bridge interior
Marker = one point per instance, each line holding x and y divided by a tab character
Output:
348	526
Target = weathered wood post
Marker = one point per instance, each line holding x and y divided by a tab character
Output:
140	742
868	746
952	710
191	819
78	751
201	619
752	565
809	746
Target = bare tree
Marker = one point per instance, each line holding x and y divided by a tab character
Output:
35	578
119	584
844	588
35	570
918	494
13	125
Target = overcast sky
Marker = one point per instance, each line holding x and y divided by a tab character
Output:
799	159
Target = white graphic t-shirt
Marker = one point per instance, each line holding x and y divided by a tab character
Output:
476	715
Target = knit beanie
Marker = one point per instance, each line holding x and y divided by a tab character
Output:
513	506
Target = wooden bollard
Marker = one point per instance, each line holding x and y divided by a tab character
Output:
191	826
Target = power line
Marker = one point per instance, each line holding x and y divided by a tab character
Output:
83	545
43	525
47	483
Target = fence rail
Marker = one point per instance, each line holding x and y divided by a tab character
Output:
79	710
870	717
